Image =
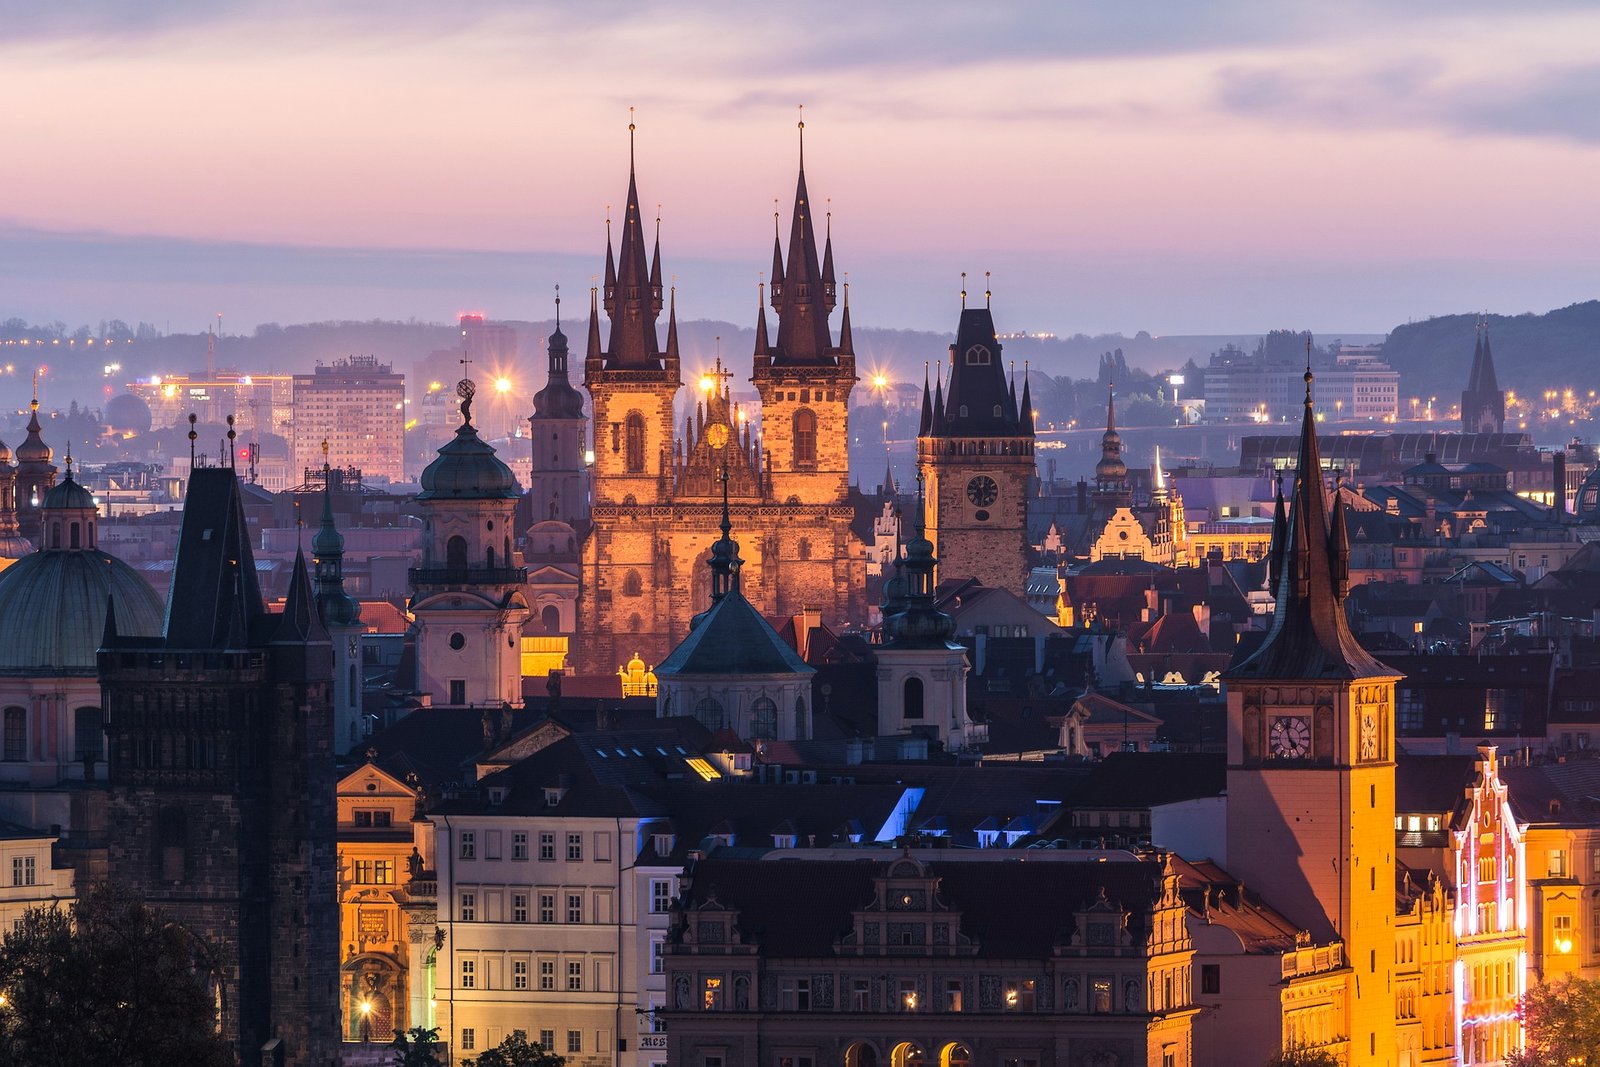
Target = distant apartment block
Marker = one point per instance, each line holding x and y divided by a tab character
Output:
357	405
1357	387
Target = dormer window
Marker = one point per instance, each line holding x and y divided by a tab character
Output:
783	840
553	795
497	794
665	843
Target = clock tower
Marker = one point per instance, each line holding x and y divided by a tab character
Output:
1311	760
975	452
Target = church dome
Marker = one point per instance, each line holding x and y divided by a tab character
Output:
67	494
53	610
558	400
468	469
33	449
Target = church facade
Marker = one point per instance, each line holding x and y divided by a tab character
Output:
657	487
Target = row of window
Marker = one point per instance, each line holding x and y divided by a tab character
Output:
549	976
1097	994
88	729
468	840
547	1040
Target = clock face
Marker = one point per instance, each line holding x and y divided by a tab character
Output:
1290	737
1369	735
982	491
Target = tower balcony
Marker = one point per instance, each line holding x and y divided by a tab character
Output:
465	576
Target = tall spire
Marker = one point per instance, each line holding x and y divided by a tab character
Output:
1339	540
847	340
1310	637
1483	405
594	353
801	293
633	286
1111	473
1280	533
925	426
762	344
336	607
724	560
912	618
1027	402
672	321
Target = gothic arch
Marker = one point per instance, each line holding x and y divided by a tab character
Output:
455	553
631	584
633	436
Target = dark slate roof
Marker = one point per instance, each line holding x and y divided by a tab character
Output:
436	744
979	402
820	815
985	894
593	785
1146	779
733	639
215	599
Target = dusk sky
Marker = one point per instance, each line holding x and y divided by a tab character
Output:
1172	166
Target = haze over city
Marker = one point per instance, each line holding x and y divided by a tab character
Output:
1168	167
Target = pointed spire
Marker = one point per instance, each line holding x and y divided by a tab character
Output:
108	633
1339	540
594	354
926	425
1111	408
655	258
672	326
761	321
611	267
777	260
633	285
828	283
847	340
801	293
936	426
1011	395
1027	402
299	620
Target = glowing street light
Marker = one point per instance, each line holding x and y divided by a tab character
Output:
707	383
502	385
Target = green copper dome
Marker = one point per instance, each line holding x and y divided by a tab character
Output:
468	469
53	610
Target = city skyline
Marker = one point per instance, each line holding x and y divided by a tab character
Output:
1350	169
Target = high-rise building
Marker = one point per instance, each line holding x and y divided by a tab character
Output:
1483	404
221	801
975	451
1311	782
356	405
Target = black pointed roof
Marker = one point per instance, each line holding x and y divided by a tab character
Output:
1310	639
979	402
299	622
215	599
801	294
558	399
633	293
1482	378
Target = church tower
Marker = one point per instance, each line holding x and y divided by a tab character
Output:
1483	405
1111	473
341	616
804	378
922	672
35	473
559	487
468	596
631	382
220	801
975	453
1311	749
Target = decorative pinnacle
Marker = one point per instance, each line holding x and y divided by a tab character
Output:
69	459
963	290
324	454
802	137
558	305
986	291
630	138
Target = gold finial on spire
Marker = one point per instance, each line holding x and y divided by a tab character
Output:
69	459
987	293
963	290
35	402
802	137
558	305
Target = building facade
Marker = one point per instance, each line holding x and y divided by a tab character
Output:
357	406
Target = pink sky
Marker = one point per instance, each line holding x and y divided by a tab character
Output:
1331	165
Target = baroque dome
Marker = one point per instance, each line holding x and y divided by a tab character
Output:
468	469
53	610
67	493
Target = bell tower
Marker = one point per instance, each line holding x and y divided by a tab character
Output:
975	452
804	378
1311	759
631	382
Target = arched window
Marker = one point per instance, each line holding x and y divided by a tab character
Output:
455	553
16	734
860	1055
711	714
913	698
550	619
635	434
55	535
74	536
977	356
906	1054
955	1055
805	549
488	557
764	719
88	731
800	731
805	438
635	623
631	585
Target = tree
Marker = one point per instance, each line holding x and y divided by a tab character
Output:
1305	1057
1562	1020
417	1047
516	1051
135	987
